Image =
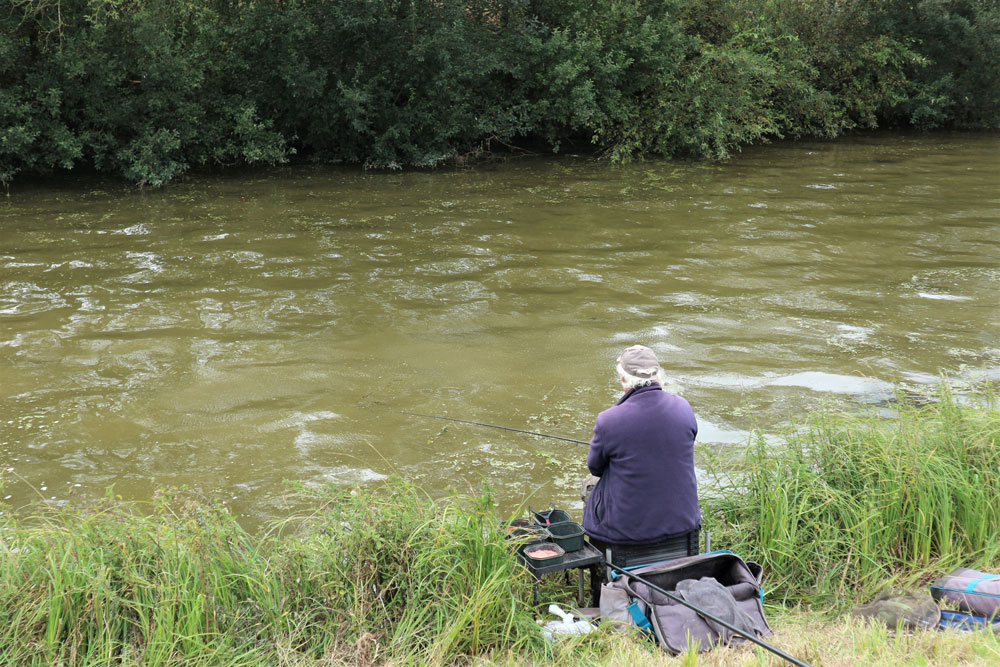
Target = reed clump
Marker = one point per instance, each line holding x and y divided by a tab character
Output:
372	576
851	502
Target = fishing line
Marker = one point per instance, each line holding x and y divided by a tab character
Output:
504	428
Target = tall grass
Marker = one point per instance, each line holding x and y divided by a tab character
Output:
855	502
379	575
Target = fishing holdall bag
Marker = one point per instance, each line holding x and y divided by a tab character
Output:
974	591
727	587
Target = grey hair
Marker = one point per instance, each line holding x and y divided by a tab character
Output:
631	382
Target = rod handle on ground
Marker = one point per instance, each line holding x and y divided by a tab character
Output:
704	614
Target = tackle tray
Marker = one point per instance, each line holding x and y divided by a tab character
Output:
567	534
531	549
549	516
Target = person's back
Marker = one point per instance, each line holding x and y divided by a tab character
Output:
643	452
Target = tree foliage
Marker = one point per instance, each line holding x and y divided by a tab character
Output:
147	89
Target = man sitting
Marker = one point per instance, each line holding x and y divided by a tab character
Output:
643	453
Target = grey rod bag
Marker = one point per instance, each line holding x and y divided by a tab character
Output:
720	583
974	591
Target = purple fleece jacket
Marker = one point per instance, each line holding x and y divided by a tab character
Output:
643	451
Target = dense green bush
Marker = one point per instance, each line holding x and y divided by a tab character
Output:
146	89
139	89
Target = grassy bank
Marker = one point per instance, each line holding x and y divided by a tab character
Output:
854	502
387	575
369	576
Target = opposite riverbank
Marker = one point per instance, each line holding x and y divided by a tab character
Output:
147	91
850	504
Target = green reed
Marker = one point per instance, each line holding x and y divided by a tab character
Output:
371	575
854	502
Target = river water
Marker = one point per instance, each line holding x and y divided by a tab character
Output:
233	332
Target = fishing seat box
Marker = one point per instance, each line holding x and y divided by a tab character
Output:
631	555
973	591
676	627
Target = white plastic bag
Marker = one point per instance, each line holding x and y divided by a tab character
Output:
552	630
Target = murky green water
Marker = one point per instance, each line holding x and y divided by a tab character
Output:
232	332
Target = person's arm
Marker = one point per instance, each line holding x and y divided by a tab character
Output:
597	458
694	420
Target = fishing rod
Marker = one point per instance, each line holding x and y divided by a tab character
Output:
704	614
505	428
